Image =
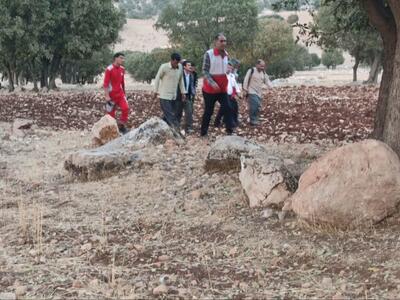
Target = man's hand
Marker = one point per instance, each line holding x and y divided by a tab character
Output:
183	98
155	95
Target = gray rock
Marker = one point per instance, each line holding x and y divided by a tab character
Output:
265	180
225	153
132	148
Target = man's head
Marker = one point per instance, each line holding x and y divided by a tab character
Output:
119	58
220	41
187	66
260	65
175	59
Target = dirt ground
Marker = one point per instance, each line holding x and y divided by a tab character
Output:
173	223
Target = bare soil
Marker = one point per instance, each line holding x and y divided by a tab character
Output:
173	223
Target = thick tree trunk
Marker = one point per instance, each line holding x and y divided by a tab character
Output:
10	75
382	18
44	74
387	20
54	69
355	68
375	69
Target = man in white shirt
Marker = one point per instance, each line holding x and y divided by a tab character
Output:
252	85
233	94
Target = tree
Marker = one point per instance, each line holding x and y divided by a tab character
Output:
332	58
362	41
292	19
144	66
196	22
34	39
315	60
385	17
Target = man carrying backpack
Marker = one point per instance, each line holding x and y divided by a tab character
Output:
252	86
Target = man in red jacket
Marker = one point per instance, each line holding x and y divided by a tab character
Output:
114	89
215	85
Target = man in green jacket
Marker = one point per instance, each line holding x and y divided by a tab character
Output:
169	76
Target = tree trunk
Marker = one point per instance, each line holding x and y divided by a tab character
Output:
387	22
44	74
10	75
54	69
375	69
355	67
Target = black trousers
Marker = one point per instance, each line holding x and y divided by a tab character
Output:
234	107
209	104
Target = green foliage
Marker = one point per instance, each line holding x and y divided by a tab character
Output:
300	58
280	69
196	22
360	40
85	70
142	9
274	16
34	39
144	66
292	19
315	60
332	58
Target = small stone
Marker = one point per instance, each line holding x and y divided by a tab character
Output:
282	215
86	247
339	296
196	195
306	285
76	284
163	258
327	283
160	290
20	291
267	213
181	182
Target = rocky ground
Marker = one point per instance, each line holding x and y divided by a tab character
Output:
171	229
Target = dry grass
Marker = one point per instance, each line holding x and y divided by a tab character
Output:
123	236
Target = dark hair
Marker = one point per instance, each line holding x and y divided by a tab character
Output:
219	35
176	56
118	54
186	62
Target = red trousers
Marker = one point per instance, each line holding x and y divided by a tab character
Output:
123	105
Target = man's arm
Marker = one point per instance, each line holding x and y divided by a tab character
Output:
246	81
158	77
267	81
106	83
181	83
206	70
123	83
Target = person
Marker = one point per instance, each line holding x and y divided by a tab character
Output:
215	84
233	94
169	76
187	105
252	86
114	90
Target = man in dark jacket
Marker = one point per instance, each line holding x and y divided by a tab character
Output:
187	104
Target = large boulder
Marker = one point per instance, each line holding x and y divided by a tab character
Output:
352	186
225	153
114	156
265	180
104	131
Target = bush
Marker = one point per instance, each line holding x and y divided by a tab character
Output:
332	58
300	58
280	69
144	66
292	19
315	60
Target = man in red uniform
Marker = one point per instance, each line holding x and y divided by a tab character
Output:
114	89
